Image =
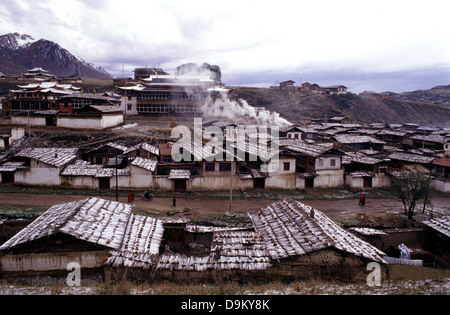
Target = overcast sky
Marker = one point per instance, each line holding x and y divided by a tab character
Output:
379	45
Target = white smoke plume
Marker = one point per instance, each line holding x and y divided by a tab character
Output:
239	111
221	106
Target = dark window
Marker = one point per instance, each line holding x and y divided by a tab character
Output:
225	167
210	167
287	166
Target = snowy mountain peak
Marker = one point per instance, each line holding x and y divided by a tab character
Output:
16	41
19	52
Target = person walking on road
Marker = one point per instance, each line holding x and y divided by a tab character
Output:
362	200
174	202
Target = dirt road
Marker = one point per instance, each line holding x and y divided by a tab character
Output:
345	208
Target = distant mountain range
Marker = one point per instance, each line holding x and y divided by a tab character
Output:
21	52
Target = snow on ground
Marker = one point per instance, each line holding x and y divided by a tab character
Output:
418	287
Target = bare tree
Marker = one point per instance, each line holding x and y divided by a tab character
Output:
411	186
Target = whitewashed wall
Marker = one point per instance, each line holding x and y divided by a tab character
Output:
78	122
51	261
23	120
325	163
329	179
124	106
39	173
440	185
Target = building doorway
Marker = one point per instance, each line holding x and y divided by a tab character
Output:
7	177
180	185
104	183
367	182
309	182
259	183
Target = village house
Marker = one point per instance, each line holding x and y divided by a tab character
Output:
287	85
340	120
434	142
440	239
441	171
38	166
91	117
69	103
105	154
144	150
288	239
84	232
364	172
307	87
38	118
303	241
10	134
83	174
334	89
110	166
400	159
357	143
317	166
391	137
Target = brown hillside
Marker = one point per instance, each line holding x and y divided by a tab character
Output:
292	105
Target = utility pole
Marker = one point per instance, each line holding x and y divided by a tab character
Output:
231	189
117	182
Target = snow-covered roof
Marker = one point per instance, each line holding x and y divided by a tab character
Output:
359	158
441	225
53	156
145	163
308	149
94	220
348	139
408	157
230	250
145	146
99	221
83	168
290	228
141	242
11	166
180	174
49	85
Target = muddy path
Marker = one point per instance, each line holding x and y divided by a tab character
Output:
335	209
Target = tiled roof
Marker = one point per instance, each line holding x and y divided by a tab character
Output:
230	250
133	239
83	168
145	163
441	225
308	149
348	139
180	174
53	156
93	220
290	228
145	146
11	166
408	157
